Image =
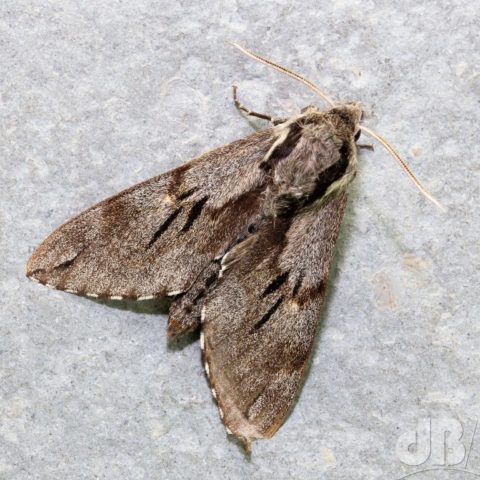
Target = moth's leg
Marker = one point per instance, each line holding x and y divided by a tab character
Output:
366	146
251	113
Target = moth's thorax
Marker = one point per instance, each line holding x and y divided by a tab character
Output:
313	156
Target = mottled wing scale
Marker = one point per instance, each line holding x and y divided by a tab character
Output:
259	323
157	237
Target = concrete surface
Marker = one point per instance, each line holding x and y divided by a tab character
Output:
98	95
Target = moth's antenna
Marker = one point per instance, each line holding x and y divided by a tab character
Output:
286	71
327	99
403	164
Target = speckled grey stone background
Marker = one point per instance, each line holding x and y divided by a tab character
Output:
98	95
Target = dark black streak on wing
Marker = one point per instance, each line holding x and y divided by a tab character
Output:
267	316
211	280
194	213
199	295
66	264
284	149
322	286
187	194
297	286
164	227
60	266
275	284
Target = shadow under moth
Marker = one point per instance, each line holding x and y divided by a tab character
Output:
242	238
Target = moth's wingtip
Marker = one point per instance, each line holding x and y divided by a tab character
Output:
33	263
29	269
29	274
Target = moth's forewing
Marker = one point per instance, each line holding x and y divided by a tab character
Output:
156	237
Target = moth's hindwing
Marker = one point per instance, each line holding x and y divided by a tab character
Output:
155	238
259	322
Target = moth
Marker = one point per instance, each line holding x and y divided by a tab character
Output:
242	239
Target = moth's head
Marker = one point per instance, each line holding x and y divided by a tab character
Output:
346	118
